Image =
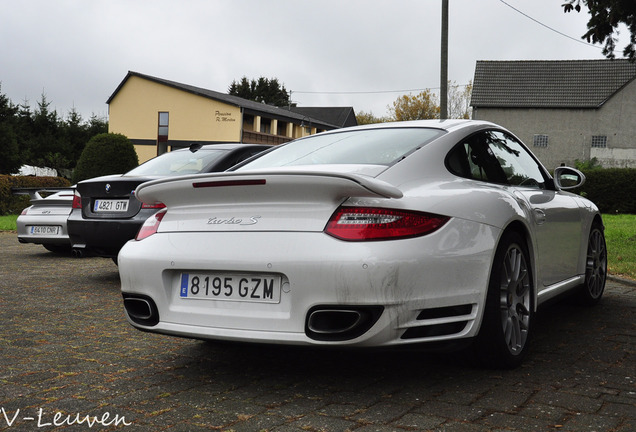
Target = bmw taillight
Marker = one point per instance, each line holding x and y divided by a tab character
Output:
151	225
374	223
77	200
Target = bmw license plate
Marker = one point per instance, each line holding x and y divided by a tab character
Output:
233	287
44	230
110	205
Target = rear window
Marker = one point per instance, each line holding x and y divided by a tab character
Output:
179	163
367	147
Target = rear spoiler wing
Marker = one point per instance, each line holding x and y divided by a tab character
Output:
235	187
35	192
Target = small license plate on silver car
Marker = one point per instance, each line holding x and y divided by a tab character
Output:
44	230
233	287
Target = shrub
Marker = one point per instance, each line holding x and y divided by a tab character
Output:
613	190
13	204
588	165
104	154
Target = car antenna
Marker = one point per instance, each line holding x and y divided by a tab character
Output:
194	147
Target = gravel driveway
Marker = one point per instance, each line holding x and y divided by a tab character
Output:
70	361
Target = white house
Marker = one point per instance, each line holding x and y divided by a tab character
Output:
563	110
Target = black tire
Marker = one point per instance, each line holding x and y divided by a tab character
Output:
593	287
508	317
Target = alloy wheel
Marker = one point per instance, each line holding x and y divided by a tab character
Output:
515	301
596	264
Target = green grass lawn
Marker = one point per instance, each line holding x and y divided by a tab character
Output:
7	223
620	234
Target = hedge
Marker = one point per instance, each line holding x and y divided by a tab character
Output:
613	190
14	204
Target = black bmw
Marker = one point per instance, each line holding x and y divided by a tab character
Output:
106	213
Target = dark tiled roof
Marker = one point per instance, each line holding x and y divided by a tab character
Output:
341	116
549	84
249	106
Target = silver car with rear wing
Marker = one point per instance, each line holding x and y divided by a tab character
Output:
44	221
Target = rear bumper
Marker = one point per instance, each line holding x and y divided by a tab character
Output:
428	289
24	222
102	237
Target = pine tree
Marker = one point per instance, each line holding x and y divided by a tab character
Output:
264	90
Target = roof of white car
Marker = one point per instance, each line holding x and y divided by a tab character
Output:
447	125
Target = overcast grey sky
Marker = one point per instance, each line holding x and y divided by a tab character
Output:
360	53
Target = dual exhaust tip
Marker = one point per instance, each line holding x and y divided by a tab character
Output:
323	323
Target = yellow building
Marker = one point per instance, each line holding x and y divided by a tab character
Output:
158	115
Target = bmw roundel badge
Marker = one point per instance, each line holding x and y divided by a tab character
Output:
107	187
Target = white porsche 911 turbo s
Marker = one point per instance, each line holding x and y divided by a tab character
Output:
428	232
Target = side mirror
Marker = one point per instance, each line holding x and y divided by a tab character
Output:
566	178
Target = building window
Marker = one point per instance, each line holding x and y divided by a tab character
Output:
266	125
540	140
248	122
599	141
281	129
162	132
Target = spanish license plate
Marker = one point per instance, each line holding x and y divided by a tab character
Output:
232	287
110	205
44	230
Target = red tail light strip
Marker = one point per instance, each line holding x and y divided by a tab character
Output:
369	223
221	183
155	205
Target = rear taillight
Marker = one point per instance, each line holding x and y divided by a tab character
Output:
370	223
151	225
155	205
77	200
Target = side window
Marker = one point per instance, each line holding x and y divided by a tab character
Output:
518	165
495	157
473	158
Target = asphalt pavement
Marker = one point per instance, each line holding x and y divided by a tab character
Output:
69	361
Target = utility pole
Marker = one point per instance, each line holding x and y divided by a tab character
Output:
443	92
